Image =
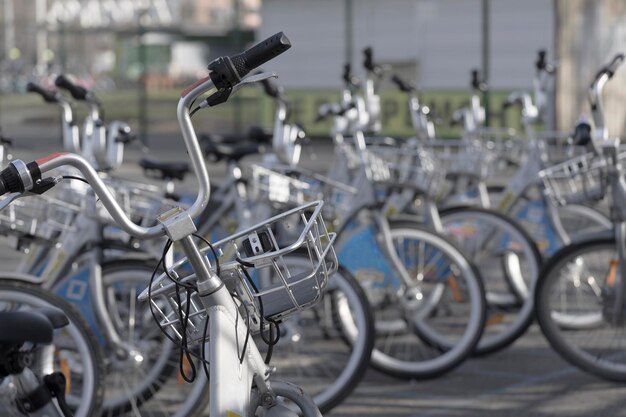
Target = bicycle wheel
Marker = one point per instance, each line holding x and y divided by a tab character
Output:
509	263
575	298
326	349
76	352
444	300
578	221
149	382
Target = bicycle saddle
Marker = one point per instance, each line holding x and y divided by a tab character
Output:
167	170
229	151
17	327
254	134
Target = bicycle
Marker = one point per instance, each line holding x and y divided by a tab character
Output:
503	324
580	294
84	256
73	361
235	393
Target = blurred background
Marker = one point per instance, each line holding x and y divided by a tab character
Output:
138	54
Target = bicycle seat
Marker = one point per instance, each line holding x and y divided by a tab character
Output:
17	327
254	134
230	151
260	135
56	316
167	170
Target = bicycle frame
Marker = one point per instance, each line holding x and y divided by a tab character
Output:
232	395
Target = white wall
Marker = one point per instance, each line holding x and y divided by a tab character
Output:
442	37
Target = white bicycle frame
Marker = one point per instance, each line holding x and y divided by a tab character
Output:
231	379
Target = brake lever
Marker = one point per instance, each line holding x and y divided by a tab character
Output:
254	78
222	95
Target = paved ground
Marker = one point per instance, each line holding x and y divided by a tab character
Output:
528	379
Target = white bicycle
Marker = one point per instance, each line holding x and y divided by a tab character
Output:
220	294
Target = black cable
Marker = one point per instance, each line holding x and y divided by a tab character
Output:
158	322
270	347
205	362
217	261
72	177
242	356
271	322
191	113
184	353
186	285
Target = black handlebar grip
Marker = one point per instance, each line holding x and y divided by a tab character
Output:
49	96
78	92
260	53
540	64
475	82
347	73
271	88
615	63
226	72
368	62
402	85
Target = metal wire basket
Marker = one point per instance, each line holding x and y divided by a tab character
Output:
577	180
254	265
271	185
463	158
406	168
559	147
40	216
286	185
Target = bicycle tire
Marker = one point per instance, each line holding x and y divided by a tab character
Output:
443	360
509	314
89	400
310	338
145	397
571	263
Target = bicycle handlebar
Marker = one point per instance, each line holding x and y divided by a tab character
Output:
475	80
228	71
541	63
595	96
369	64
610	68
49	96
77	91
19	176
404	86
348	77
271	88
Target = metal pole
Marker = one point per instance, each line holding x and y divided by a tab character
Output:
348	31
62	47
485	57
9	25
237	111
42	35
143	91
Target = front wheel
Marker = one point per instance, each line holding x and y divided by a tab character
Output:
576	303
428	326
76	352
326	349
149	382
